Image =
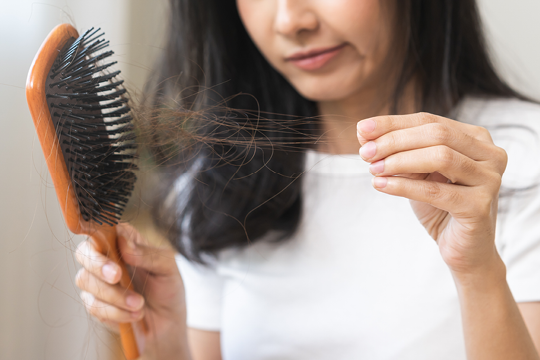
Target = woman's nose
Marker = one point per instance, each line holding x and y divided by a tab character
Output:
294	17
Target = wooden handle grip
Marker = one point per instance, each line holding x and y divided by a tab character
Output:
106	243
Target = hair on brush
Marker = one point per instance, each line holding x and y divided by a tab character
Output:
91	115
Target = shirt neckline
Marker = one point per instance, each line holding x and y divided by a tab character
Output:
330	164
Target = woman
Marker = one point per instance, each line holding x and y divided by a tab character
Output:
336	263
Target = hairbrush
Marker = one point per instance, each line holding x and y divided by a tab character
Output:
82	117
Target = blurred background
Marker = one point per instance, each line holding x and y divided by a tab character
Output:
41	315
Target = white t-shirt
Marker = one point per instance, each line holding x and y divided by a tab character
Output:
361	278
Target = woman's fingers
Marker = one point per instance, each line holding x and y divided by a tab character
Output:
455	166
97	263
155	274
454	199
431	134
111	294
104	298
108	313
385	136
375	127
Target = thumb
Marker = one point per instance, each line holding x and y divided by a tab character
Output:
137	251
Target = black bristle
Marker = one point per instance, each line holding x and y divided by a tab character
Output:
98	147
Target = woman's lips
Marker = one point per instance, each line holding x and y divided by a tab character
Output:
314	59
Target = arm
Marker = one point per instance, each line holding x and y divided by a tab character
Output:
530	311
493	326
204	345
452	172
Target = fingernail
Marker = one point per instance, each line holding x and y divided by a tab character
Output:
109	272
134	301
368	150
366	126
377	167
379	182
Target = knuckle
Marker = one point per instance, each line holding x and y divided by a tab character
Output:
483	204
100	311
483	133
425	117
432	191
88	301
95	261
497	180
502	158
454	197
440	132
493	183
468	166
80	278
444	156
80	251
435	194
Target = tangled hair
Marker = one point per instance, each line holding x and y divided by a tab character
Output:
230	132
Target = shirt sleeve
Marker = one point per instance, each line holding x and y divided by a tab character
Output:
515	126
519	243
203	287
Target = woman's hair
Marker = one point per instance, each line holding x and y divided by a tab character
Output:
236	177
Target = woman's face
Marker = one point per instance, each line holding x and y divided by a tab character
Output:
327	49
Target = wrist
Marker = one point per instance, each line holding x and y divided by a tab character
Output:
492	273
174	346
168	341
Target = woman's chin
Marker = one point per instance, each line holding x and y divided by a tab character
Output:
323	95
321	91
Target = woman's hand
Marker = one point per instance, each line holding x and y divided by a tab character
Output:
450	171
158	296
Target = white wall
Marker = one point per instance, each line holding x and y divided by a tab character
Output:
513	28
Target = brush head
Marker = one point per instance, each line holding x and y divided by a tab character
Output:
91	115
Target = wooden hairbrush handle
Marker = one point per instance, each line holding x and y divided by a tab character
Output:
105	241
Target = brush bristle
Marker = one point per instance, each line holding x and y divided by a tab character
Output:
90	111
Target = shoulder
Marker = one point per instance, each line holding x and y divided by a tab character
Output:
490	112
514	125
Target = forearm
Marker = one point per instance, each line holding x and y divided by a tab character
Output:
493	326
174	346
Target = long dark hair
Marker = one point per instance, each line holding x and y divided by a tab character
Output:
228	191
